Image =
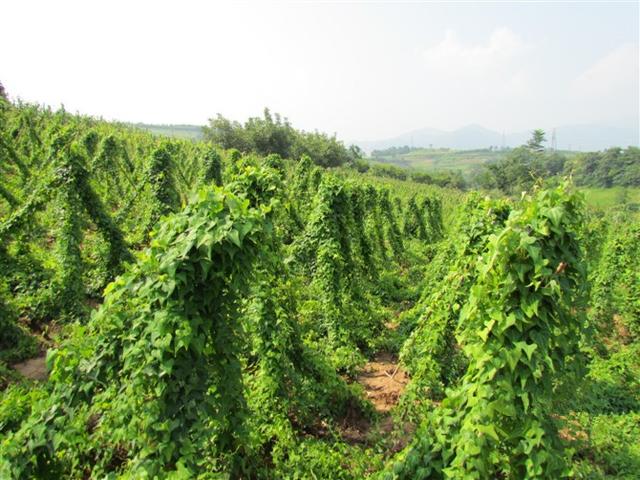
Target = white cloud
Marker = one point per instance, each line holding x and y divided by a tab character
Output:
609	90
453	56
612	75
365	71
476	80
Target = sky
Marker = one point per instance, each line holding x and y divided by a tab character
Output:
362	70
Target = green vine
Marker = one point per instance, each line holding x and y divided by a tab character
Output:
154	384
521	327
211	167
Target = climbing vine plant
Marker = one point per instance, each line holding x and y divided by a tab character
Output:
521	326
231	341
431	353
154	383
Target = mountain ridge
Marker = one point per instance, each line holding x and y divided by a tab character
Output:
583	137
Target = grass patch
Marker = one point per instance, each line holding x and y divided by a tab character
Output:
603	198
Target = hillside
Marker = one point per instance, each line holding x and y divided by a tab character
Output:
172	309
425	159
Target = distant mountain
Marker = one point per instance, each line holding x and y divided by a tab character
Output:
470	137
570	137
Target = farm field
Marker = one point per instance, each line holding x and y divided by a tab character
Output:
319	240
192	132
605	198
465	161
170	308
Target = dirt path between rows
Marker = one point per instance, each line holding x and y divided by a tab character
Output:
383	381
34	368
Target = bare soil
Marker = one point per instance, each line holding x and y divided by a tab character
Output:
383	381
34	368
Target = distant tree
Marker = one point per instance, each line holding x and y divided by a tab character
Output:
356	152
3	92
610	168
536	140
421	177
392	152
227	134
361	165
390	171
272	134
267	136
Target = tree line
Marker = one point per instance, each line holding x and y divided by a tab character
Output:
273	134
525	165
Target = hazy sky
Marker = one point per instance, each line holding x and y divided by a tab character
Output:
363	70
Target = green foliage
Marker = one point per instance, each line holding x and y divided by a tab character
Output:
162	186
414	224
390	171
521	168
212	167
520	329
167	337
392	230
536	140
15	406
71	288
615	299
232	346
612	167
431	353
614	383
393	151
273	135
336	252
612	449
275	161
15	342
291	385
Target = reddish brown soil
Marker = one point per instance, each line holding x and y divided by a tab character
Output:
572	431
383	381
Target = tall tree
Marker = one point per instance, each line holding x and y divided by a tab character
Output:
536	140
